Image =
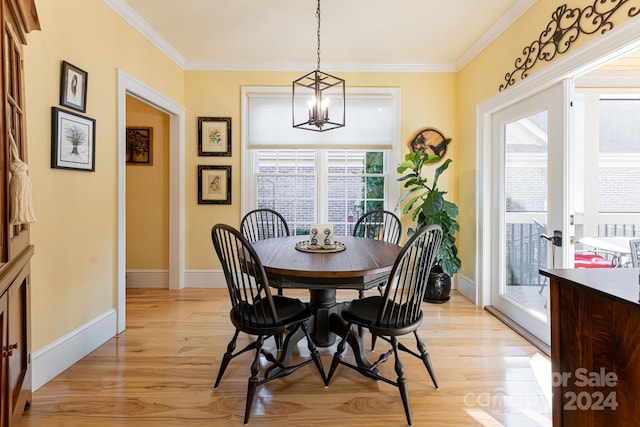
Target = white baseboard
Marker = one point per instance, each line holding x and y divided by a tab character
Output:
147	279
160	279
466	287
204	279
54	358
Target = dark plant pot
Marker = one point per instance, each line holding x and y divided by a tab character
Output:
438	287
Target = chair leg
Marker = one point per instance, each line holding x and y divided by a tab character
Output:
373	342
226	358
253	379
426	359
314	354
280	291
337	356
401	381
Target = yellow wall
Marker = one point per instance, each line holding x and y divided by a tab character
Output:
148	193
428	99
74	267
478	82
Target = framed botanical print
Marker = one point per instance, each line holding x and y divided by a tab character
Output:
214	136
73	141
214	185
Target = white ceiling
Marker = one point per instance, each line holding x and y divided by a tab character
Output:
358	35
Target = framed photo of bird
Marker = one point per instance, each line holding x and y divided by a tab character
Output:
214	185
429	140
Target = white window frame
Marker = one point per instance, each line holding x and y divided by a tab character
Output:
249	160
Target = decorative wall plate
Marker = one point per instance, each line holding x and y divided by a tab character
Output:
306	246
431	141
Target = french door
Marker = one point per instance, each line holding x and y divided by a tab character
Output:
531	205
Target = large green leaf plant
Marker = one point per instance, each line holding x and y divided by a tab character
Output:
427	205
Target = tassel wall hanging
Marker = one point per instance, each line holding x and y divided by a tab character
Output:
20	189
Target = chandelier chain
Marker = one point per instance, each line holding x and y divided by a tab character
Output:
318	19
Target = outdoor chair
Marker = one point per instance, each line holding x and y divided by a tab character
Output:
634	245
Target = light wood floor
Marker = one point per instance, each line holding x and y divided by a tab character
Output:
160	372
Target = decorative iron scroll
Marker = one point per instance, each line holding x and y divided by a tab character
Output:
564	29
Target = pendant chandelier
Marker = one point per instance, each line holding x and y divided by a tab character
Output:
314	93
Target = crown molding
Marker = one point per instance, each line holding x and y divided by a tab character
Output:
327	67
515	12
143	27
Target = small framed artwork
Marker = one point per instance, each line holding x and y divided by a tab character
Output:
73	141
214	136
214	185
140	146
73	87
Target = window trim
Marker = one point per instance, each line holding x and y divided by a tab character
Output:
249	162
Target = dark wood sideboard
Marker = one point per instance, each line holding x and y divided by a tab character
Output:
595	346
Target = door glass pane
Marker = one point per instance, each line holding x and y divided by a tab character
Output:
525	192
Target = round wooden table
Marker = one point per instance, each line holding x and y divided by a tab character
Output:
362	265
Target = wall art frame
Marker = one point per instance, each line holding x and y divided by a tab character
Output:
214	136
139	146
214	185
73	141
73	87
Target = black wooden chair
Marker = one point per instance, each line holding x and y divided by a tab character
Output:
254	311
263	223
398	312
378	224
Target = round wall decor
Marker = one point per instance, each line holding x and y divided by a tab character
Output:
429	140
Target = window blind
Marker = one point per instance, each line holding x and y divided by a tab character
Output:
372	121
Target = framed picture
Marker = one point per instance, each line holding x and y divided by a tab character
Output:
73	141
139	146
214	185
73	87
214	136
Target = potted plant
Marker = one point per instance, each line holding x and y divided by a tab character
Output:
428	205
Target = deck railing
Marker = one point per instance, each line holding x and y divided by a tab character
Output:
527	252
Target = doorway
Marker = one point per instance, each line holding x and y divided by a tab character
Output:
490	261
530	175
147	196
128	86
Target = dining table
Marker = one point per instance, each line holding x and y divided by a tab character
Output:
355	263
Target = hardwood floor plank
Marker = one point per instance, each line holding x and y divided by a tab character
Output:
160	372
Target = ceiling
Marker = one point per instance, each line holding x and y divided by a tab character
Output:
356	35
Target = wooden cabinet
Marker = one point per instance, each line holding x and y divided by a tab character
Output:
18	18
595	351
15	360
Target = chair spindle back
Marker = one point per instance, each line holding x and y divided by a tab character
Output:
408	279
251	300
379	225
262	224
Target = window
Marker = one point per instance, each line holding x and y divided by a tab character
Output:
308	177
